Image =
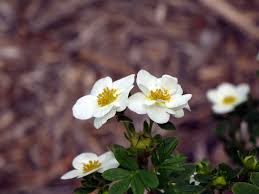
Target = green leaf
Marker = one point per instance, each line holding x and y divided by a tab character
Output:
174	164
120	187
167	126
255	178
124	158
116	174
242	188
164	150
137	185
149	179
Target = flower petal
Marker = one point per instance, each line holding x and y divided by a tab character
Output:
243	90
158	114
87	173
226	89
101	111
179	113
84	107
179	90
212	96
222	109
178	101
123	100
169	82
146	81
83	158
71	174
124	83
106	156
100	85
113	163
98	122
136	103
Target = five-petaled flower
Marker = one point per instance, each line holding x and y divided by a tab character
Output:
226	97
159	97
87	163
106	98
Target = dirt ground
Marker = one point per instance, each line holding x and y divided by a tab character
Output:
52	51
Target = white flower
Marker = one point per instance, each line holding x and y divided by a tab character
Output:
227	96
106	98
159	97
192	179
87	163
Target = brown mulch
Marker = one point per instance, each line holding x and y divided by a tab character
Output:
52	51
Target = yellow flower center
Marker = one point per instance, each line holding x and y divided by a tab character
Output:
91	165
229	100
107	96
159	94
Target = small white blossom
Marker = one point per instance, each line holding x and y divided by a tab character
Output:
192	179
106	98
159	97
87	163
227	96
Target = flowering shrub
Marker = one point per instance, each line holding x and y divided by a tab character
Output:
149	164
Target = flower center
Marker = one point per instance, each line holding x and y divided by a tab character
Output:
160	94
229	100
107	96
91	165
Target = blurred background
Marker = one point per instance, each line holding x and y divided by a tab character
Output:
52	51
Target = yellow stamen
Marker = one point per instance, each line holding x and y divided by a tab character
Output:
91	165
229	100
160	94
107	96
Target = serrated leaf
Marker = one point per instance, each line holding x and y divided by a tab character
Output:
137	185
124	158
120	187
149	179
116	174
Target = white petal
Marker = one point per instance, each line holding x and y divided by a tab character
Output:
136	103
124	83
222	109
179	90
123	100
106	156
179	113
178	101
87	173
100	85
84	107
146	81
83	158
158	114
212	96
98	122
113	163
243	90
101	111
226	89
71	174
169	82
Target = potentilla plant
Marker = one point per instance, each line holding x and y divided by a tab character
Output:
150	164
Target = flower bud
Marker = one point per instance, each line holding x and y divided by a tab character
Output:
219	182
250	162
141	141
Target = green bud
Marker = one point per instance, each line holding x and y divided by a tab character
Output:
141	141
219	182
250	162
